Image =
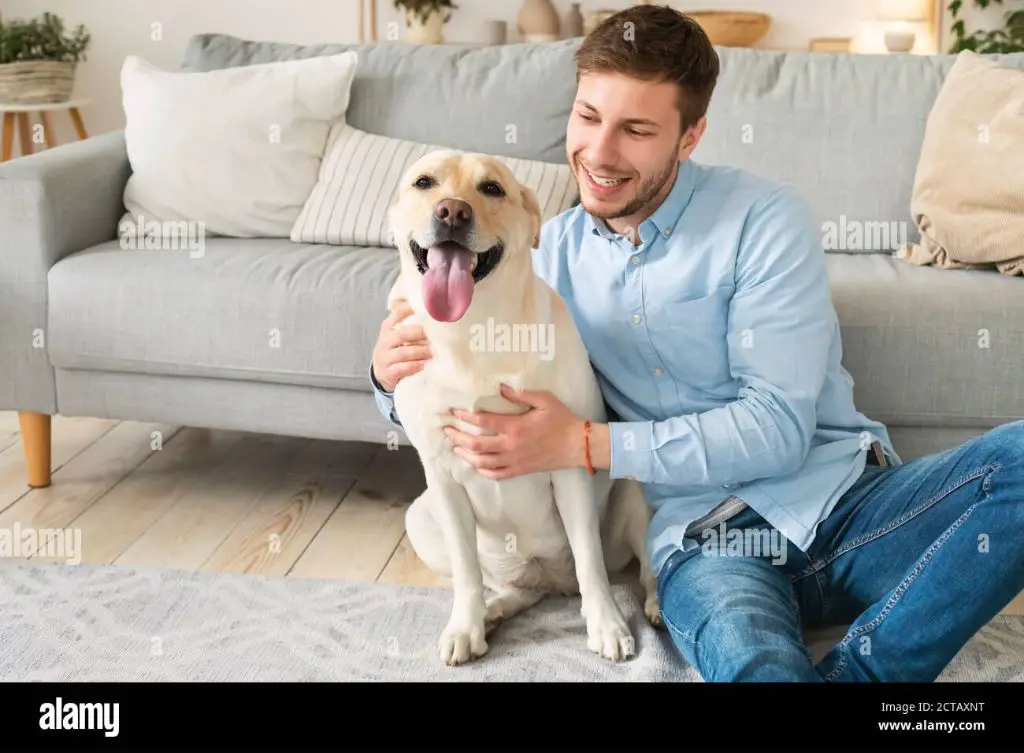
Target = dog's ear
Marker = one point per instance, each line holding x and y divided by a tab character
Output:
532	206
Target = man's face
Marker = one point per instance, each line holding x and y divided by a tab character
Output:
624	142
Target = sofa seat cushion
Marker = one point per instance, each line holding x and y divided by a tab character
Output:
924	346
927	346
254	309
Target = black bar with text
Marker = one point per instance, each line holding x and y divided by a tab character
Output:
505	717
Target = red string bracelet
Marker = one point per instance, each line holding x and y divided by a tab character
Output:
586	447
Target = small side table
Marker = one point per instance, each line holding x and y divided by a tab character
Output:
20	113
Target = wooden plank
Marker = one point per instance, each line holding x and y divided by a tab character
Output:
323	458
212	504
84	480
70	436
127	511
277	530
360	537
282	523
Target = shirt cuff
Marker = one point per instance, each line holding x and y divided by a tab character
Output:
385	400
631	450
377	386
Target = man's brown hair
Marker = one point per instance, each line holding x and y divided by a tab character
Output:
655	42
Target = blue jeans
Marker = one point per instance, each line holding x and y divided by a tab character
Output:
915	558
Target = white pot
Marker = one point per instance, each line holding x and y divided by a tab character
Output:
418	32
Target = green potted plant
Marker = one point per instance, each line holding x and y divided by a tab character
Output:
425	19
1005	40
38	59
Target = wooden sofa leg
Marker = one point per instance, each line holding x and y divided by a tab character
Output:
35	440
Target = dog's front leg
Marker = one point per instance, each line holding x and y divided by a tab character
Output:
463	638
575	498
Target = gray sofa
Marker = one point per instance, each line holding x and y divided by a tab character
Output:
90	329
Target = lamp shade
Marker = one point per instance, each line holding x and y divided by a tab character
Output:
904	10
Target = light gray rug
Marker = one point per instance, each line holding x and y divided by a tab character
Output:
109	623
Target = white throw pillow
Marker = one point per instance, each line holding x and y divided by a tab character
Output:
359	179
237	150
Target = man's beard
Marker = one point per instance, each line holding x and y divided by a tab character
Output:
646	194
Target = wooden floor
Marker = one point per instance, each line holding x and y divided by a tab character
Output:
197	499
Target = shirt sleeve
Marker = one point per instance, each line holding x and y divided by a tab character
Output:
385	400
782	327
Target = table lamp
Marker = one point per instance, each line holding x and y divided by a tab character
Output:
900	36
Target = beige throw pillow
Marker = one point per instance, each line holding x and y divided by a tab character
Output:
359	177
968	197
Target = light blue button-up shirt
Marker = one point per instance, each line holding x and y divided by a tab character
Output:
718	352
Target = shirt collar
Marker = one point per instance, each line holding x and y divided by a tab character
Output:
666	216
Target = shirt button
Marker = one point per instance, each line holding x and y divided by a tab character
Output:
657	371
636	318
635	260
668	232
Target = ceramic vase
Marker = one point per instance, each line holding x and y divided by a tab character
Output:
538	21
419	31
574	23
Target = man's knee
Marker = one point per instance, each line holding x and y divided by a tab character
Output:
1004	444
735	619
1002	448
1010	439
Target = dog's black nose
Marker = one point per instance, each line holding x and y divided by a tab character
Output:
453	212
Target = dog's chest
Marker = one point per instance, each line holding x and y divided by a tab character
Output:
550	574
520	535
521	539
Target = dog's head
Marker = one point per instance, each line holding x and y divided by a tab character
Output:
461	222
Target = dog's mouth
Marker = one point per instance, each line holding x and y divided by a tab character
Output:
450	271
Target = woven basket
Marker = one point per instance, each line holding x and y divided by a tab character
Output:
732	28
34	82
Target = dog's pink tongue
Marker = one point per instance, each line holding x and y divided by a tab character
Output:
448	283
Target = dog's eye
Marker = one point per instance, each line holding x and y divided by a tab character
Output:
491	188
424	181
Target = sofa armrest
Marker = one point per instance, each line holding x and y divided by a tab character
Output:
52	204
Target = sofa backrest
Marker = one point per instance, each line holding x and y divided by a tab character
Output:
845	130
509	100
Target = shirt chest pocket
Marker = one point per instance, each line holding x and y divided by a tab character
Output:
690	336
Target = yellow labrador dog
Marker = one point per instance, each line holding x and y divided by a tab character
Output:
464	227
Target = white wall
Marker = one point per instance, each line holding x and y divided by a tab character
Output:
123	27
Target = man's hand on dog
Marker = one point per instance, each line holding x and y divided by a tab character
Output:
400	351
547	437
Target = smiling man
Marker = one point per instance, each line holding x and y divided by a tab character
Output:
702	296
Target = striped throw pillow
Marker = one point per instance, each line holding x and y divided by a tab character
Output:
359	178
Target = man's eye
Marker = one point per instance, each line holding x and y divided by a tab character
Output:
588	118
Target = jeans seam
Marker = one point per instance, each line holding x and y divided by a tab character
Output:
897	593
678	630
919	567
673	565
823	562
819	579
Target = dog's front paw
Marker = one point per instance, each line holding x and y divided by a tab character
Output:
461	643
607	633
652	608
